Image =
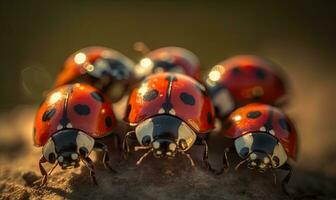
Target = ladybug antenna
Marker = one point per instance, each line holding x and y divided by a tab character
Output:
143	157
141	47
239	164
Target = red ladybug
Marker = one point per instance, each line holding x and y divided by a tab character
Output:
170	112
264	137
104	68
245	79
67	124
169	59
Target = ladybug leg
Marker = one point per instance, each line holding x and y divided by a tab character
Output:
89	164
205	155
52	169
285	181
143	157
106	157
116	140
126	148
43	171
189	158
240	164
226	163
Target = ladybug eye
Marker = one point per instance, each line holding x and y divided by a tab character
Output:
84	142
186	136
49	151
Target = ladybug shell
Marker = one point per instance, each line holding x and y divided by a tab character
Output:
248	79
263	118
76	106
175	59
84	62
172	94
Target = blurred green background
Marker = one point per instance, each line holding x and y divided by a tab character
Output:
297	35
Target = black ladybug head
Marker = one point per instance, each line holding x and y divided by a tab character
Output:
260	161
261	150
67	147
165	135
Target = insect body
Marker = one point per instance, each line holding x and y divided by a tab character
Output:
67	124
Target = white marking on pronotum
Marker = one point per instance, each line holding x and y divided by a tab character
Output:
161	111
172	112
262	128
272	132
69	125
59	127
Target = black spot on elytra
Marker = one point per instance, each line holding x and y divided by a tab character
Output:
108	122
284	125
253	114
209	118
47	115
82	109
187	98
97	96
236	71
260	73
244	151
150	95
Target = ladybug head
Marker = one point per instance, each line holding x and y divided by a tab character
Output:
67	147
260	150
260	161
165	135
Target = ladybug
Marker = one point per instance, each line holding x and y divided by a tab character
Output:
245	79
263	137
67	124
104	68
170	112
169	59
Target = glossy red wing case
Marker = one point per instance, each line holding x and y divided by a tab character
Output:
172	94
77	106
177	57
263	118
82	63
249	79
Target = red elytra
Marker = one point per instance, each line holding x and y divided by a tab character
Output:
97	66
77	106
174	94
249	79
176	57
263	118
